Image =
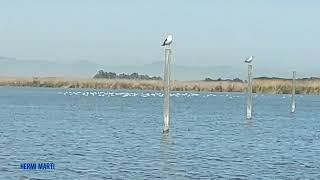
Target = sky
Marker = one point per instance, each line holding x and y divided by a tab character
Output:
206	32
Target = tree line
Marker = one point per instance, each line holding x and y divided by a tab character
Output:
112	75
220	79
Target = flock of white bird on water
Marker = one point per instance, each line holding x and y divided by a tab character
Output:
134	94
157	94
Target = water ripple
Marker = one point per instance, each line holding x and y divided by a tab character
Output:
111	134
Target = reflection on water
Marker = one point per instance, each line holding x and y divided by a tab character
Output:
110	134
165	139
248	122
166	166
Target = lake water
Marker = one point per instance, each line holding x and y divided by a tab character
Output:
117	134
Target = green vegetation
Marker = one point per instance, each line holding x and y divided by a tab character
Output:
220	79
111	75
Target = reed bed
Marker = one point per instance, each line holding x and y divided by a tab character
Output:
274	86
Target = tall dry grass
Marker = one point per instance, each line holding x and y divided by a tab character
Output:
285	86
275	86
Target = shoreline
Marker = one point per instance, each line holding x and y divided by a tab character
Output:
269	85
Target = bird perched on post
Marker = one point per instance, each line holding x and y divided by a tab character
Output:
249	59
168	40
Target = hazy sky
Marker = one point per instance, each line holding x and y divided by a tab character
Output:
206	32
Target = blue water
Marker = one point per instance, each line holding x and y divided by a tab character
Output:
117	134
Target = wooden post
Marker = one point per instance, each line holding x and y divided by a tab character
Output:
249	92
166	102
293	98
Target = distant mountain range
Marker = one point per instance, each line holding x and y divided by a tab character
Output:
87	69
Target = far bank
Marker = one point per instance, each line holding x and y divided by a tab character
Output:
261	85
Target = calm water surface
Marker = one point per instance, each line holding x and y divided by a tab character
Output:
117	134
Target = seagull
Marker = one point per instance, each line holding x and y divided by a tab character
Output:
168	40
249	59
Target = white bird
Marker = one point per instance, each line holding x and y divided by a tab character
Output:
168	40
249	59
